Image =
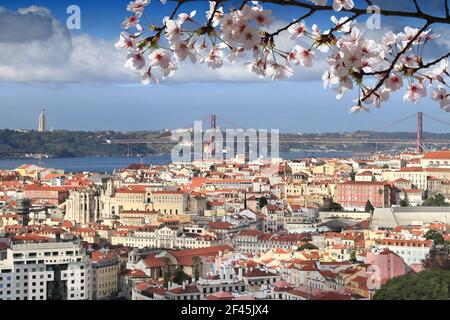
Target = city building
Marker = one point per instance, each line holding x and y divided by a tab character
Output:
37	269
42	122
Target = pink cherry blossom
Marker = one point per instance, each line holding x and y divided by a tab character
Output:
440	95
182	50
138	6
130	22
339	4
236	53
258	67
148	77
394	82
125	41
217	14
297	30
173	30
357	108
135	61
305	56
414	93
277	71
250	38
263	17
328	79
184	17
214	58
159	58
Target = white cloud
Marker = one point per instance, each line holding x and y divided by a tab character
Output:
238	71
36	47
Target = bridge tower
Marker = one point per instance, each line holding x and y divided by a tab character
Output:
213	127
419	132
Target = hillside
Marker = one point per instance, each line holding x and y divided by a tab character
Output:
15	143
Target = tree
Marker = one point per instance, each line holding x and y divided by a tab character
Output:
372	69
352	175
167	275
262	202
369	207
353	256
180	276
405	201
385	166
438	257
307	246
431	284
334	206
435	201
434	235
196	262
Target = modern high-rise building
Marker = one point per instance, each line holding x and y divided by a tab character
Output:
46	270
41	126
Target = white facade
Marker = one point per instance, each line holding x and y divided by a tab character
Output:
162	238
411	251
48	270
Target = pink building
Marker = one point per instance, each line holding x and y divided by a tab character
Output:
391	265
354	194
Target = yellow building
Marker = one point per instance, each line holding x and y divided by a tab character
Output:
106	268
170	202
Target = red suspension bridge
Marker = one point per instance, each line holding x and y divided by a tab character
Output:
419	127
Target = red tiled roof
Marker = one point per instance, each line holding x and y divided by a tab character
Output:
152	261
220	295
331	296
256	273
437	155
189	289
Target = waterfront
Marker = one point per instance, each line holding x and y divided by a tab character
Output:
109	164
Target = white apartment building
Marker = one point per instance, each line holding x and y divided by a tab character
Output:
418	176
45	271
164	238
298	166
411	251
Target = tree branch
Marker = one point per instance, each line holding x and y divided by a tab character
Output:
309	13
394	62
416	4
360	11
447	14
429	64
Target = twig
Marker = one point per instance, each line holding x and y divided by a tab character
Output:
416	4
394	62
309	13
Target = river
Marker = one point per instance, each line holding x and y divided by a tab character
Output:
109	164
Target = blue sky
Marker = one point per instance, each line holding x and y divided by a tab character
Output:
94	91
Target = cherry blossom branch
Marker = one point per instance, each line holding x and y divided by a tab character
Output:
306	15
416	4
339	25
447	14
394	62
244	2
410	14
432	63
242	33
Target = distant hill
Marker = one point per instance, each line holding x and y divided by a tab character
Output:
73	143
61	143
